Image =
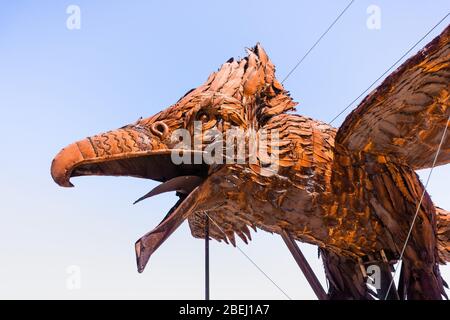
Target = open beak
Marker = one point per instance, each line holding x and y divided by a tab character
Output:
134	151
129	151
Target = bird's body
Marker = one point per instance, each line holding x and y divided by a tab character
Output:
351	191
357	206
319	197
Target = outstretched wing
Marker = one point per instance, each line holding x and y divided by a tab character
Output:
406	116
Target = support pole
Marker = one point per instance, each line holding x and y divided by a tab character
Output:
206	257
304	266
386	280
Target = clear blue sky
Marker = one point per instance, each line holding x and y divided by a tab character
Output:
132	59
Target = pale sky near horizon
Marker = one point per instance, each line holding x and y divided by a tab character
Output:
131	59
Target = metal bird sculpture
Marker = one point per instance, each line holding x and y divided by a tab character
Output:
351	191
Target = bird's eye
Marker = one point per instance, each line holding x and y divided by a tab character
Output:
203	117
160	129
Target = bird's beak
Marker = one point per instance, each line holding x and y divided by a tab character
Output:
129	151
134	151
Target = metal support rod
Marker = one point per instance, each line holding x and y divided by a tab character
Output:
206	257
387	283
304	266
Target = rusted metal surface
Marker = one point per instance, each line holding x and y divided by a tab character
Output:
351	191
304	266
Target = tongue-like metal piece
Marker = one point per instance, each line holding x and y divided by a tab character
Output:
148	244
182	184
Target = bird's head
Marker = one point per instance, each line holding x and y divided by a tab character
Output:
169	147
